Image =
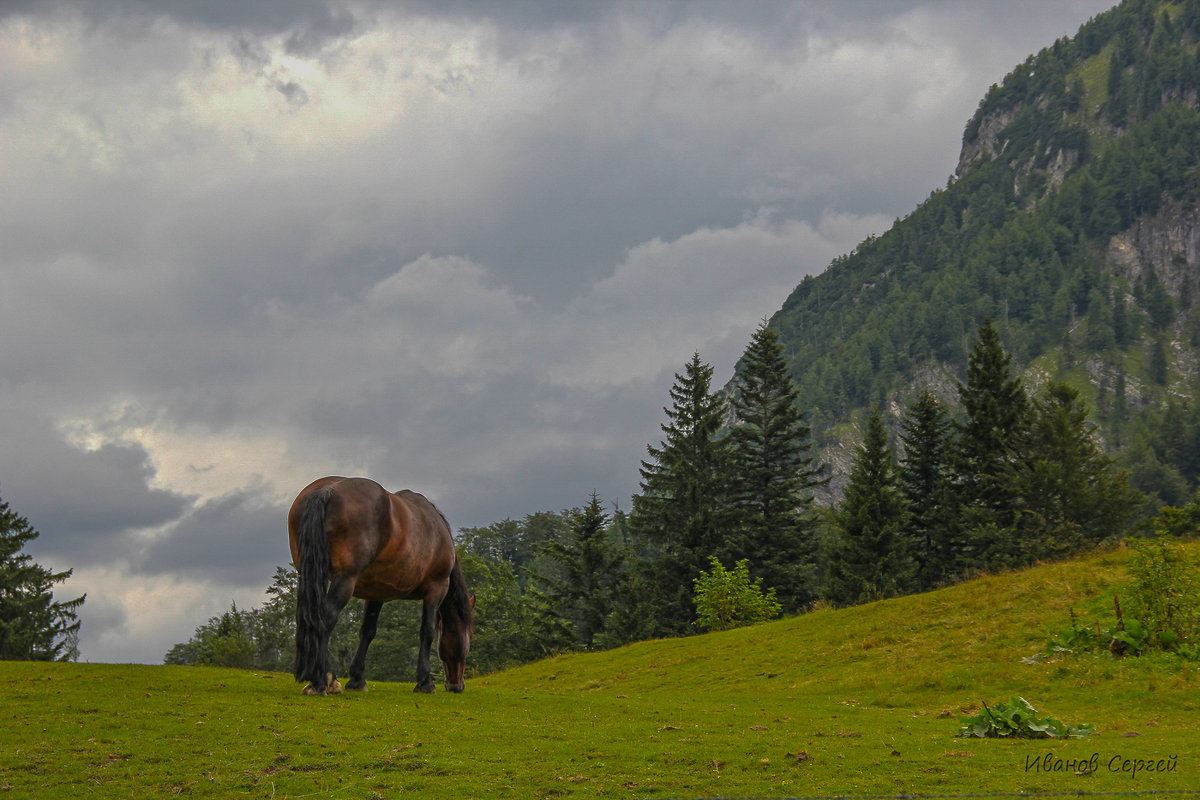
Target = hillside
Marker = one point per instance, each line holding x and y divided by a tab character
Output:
1072	222
863	700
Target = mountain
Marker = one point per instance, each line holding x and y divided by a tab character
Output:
1072	222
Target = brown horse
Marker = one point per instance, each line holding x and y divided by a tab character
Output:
350	537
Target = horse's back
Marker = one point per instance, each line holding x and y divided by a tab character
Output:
425	514
345	495
395	544
421	533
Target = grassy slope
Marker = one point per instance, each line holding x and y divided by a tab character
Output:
856	701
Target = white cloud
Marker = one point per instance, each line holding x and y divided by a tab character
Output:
136	619
204	464
704	292
443	316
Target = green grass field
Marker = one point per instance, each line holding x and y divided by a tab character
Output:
856	701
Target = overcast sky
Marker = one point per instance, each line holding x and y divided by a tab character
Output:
458	247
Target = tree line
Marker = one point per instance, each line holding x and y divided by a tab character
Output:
999	478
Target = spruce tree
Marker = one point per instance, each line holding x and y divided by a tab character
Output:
869	559
774	473
33	627
590	565
988	443
930	518
1070	495
683	514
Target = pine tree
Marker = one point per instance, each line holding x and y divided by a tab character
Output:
774	473
1159	365
988	442
590	565
683	513
636	614
930	516
1070	496
33	627
869	559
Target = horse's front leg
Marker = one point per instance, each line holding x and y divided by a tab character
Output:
429	610
369	625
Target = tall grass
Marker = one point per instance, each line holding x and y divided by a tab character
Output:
864	700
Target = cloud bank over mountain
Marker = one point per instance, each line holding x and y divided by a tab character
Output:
457	247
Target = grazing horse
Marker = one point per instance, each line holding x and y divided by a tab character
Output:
350	537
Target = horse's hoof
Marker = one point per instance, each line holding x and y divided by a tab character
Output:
455	689
358	685
425	688
331	687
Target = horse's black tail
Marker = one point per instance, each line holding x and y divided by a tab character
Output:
312	651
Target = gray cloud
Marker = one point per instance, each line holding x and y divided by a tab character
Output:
81	501
239	537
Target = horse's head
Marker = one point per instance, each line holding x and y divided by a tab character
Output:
454	642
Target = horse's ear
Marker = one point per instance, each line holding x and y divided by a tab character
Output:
472	597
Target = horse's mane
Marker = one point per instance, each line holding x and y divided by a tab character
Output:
457	605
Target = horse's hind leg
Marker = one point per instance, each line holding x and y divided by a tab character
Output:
340	589
369	624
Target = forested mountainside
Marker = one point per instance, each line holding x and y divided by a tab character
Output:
1072	222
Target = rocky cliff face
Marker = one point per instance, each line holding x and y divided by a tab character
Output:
1166	244
841	450
991	142
987	143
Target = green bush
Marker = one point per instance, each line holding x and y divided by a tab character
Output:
729	599
1127	637
1165	594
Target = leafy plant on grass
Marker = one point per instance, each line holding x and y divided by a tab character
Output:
1018	719
1164	600
1127	637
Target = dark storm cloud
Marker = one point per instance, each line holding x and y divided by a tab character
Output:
238	539
81	501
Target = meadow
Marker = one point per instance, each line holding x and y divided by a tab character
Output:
857	701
